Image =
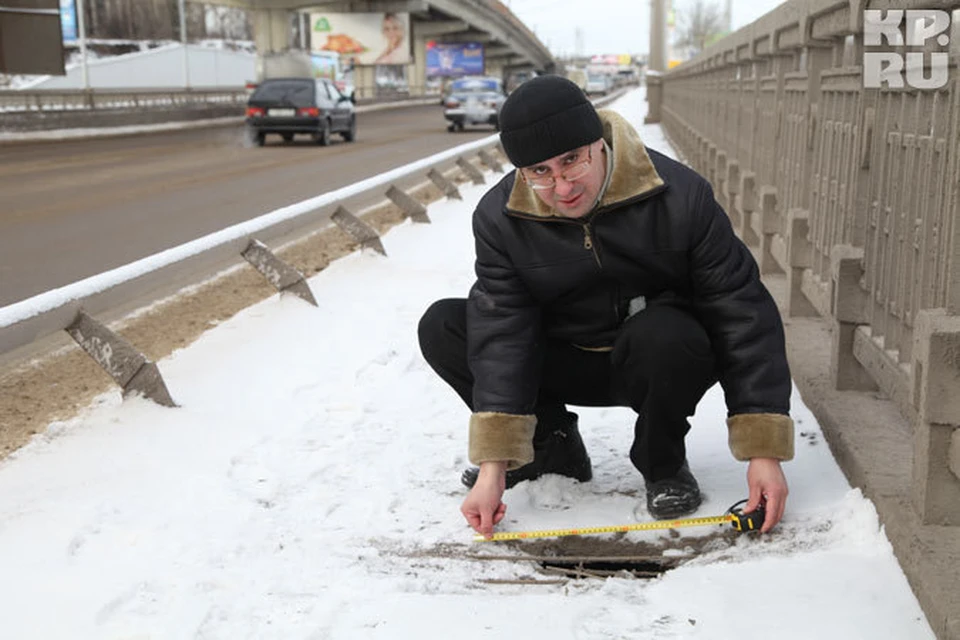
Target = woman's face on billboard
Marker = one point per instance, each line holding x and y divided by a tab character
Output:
393	30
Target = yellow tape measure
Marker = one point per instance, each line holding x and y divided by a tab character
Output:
743	522
617	528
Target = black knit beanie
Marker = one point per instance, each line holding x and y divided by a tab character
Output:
544	117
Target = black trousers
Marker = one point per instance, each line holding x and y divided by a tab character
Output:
660	366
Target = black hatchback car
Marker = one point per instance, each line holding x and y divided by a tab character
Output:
288	106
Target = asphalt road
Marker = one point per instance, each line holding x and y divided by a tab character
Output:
72	209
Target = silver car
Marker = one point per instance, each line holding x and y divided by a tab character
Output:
473	100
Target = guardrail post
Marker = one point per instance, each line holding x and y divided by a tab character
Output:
358	230
282	276
472	172
413	209
444	185
128	367
490	161
849	303
936	378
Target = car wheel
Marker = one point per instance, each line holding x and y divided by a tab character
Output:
351	133
288	137
323	136
259	139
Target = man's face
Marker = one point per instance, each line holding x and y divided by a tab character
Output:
573	198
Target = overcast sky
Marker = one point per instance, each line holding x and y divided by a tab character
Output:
610	26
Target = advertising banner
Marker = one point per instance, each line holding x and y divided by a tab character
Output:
454	60
68	20
363	38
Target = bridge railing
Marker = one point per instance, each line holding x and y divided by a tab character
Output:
60	100
853	193
47	100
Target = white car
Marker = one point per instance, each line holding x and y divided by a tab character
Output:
473	100
597	83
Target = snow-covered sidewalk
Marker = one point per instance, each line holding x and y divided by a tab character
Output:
308	487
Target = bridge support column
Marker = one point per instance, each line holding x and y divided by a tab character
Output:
417	72
365	81
277	54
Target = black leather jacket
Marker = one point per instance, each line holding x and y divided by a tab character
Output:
658	233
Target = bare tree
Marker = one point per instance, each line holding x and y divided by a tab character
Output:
699	25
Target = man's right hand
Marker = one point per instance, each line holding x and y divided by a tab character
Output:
483	507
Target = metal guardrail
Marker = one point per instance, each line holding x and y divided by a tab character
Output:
43	315
61	100
41	100
33	319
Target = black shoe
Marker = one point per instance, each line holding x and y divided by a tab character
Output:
673	497
561	452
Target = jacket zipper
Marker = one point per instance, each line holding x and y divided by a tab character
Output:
587	237
588	243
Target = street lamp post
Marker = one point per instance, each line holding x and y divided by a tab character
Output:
183	40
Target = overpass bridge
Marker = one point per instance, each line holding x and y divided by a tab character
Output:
849	195
508	43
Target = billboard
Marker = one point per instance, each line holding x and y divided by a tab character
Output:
68	20
454	60
325	65
363	38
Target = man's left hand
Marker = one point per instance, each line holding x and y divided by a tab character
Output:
767	483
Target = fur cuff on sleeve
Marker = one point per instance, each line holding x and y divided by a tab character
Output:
501	436
761	435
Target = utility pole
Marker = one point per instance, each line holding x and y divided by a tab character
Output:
183	40
657	62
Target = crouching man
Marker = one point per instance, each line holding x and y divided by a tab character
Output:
607	275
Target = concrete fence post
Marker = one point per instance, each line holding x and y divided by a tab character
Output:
936	380
720	176
731	187
799	258
766	223
711	164
849	303
745	203
654	98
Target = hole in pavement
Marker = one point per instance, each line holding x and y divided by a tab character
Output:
578	568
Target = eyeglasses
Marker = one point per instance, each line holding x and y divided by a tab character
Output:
574	171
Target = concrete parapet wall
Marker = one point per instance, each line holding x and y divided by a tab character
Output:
854	193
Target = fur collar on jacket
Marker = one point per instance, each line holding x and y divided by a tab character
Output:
633	172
